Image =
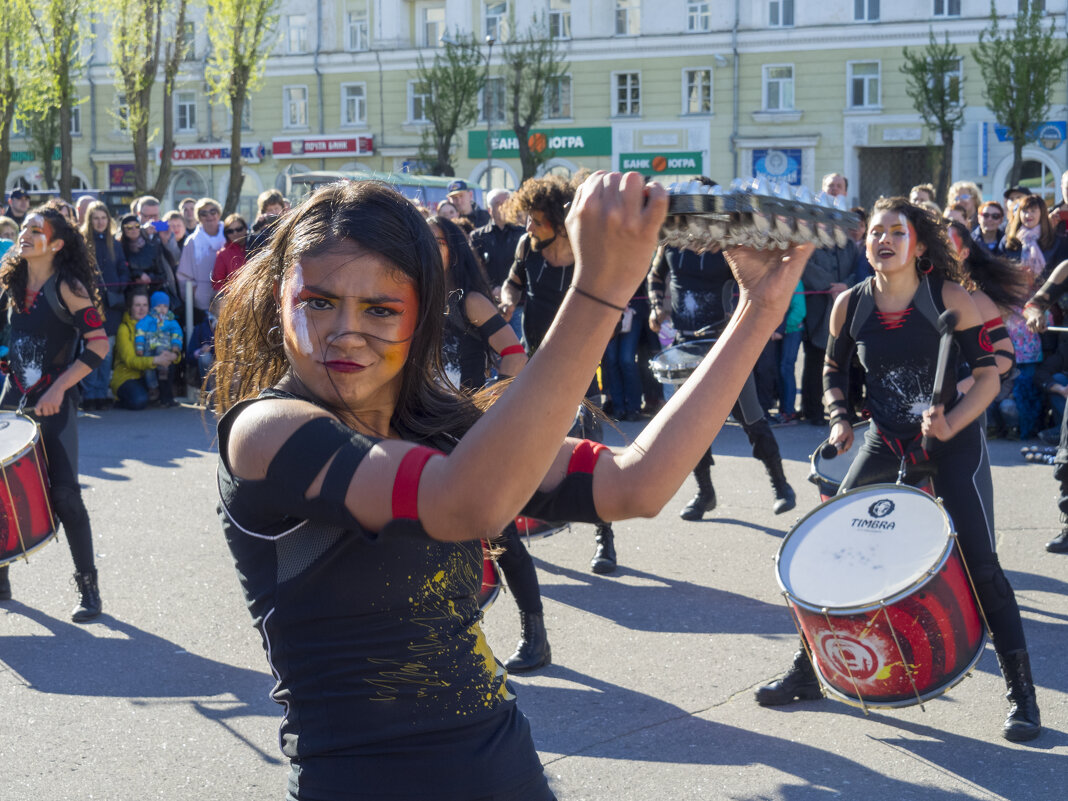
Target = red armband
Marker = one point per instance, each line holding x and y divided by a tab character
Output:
584	456
406	484
510	350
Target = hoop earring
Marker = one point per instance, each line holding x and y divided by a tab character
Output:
924	265
277	334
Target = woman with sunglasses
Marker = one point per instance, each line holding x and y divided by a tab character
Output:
991	226
198	256
232	256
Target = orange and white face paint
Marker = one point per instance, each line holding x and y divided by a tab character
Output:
892	243
348	316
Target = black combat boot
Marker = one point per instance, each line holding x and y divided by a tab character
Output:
604	558
705	499
1024	721
90	605
785	499
5	585
799	684
1059	544
533	650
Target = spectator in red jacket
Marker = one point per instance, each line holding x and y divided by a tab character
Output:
232	256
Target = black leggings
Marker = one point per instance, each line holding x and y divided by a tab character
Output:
59	434
519	572
959	470
750	414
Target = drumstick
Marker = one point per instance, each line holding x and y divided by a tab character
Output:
1060	329
947	321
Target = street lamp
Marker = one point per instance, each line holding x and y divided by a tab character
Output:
489	115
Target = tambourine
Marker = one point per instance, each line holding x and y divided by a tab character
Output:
753	214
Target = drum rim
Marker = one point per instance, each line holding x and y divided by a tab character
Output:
29	445
813	473
665	374
912	700
925	577
10	560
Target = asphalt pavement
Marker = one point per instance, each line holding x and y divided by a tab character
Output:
650	694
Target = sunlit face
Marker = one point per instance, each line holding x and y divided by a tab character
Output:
274	208
177	227
20	205
542	234
98	220
148	212
462	200
209	219
1030	216
138	307
347	319
188	208
835	186
918	196
34	238
990	219
443	245
966	199
1013	200
447	210
892	244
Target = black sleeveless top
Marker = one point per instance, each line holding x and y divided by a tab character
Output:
899	352
545	287
42	342
463	349
702	289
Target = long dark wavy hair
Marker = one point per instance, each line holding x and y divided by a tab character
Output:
249	357
74	264
1002	281
929	230
464	272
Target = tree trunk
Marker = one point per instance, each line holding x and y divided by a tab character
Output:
946	164
527	159
1017	160
163	173
140	151
66	162
237	176
5	145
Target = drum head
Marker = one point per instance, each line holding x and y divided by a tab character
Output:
862	547
675	364
833	470
16	434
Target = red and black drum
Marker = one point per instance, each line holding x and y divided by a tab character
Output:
491	580
26	520
829	466
879	590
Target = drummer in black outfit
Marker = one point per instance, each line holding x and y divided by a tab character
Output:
891	320
702	299
542	272
355	485
50	308
473	331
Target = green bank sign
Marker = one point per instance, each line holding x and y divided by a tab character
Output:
551	141
691	163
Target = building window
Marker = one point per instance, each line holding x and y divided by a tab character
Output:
866	10
496	20
863	84
1026	5
76	121
295	107
628	17
627	100
698	17
558	98
778	87
431	25
492	104
418	98
297	33
353	104
560	19
358	33
122	113
781	13
947	8
189	41
185	112
697	91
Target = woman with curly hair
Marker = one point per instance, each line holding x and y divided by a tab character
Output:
51	310
891	320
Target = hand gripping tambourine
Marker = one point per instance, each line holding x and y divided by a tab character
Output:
753	214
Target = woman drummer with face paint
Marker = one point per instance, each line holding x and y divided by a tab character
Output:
891	321
356	484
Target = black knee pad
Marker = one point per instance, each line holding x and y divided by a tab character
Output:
69	507
992	587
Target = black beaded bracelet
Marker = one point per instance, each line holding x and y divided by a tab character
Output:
596	299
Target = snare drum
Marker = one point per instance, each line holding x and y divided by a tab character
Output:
26	520
531	528
877	586
674	365
828	472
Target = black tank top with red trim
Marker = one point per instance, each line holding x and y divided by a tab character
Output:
899	352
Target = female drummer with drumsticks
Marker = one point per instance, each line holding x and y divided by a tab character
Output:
51	306
892	319
355	485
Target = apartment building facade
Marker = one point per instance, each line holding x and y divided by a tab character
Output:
792	89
